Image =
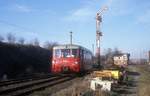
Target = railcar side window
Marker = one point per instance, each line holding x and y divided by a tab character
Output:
81	53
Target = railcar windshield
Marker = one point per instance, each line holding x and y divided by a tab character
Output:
66	53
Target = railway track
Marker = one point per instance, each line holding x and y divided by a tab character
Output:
26	79
25	87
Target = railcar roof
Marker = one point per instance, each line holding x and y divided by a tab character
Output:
68	46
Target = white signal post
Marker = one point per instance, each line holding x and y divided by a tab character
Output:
99	33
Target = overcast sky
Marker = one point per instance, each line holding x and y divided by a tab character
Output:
126	23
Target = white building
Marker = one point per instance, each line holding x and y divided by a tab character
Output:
121	59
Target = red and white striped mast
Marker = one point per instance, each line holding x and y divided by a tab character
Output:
99	33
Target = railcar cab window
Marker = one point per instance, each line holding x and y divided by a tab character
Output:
64	53
69	53
57	53
75	52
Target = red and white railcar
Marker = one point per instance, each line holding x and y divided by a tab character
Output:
71	58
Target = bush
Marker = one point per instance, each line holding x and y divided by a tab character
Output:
17	60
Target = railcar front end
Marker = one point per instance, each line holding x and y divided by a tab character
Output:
65	60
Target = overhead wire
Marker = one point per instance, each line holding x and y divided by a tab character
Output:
16	26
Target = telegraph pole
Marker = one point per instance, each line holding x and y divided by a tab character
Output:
93	48
71	37
149	57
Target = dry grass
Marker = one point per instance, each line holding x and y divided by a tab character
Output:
81	88
144	81
55	89
77	87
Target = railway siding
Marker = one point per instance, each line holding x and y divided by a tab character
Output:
19	89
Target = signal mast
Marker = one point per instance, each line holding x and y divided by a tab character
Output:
99	33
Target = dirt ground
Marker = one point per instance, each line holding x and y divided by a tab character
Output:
137	85
80	86
129	88
138	82
144	80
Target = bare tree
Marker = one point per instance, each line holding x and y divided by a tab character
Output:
36	42
50	45
1	38
21	41
11	38
109	54
116	51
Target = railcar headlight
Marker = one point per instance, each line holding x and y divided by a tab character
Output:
54	62
76	62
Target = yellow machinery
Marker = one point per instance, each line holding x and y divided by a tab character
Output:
114	74
105	78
